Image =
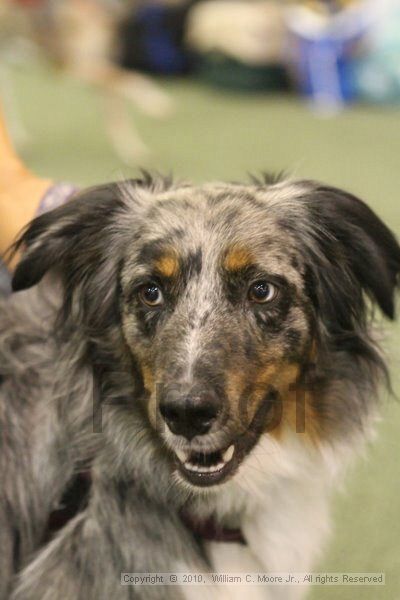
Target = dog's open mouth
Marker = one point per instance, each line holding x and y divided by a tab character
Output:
209	468
205	469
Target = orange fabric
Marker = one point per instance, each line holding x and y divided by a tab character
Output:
20	191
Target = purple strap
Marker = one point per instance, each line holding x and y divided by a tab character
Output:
55	196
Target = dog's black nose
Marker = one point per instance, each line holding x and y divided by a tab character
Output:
190	415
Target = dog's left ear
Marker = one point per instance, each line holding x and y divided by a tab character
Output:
81	242
368	250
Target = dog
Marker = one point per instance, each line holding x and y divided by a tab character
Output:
206	355
82	39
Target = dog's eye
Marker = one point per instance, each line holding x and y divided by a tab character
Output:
262	291
151	295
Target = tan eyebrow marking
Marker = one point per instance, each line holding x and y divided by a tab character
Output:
167	265
238	257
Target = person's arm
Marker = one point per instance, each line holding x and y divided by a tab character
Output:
20	192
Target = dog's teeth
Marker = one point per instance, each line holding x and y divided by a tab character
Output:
191	467
203	469
181	455
218	467
228	453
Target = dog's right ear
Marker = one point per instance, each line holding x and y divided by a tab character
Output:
71	240
84	243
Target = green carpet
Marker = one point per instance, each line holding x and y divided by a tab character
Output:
214	135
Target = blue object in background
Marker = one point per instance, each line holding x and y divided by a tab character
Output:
152	39
324	50
159	44
325	71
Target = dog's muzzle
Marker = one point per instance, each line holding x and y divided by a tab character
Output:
196	414
206	449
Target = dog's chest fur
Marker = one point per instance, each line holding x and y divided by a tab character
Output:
280	502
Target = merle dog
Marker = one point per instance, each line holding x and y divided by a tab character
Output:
205	354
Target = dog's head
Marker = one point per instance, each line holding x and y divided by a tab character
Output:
240	304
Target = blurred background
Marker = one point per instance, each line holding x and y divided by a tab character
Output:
92	90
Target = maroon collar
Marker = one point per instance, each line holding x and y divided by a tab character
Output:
210	530
206	529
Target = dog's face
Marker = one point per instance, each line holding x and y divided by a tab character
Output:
215	309
225	295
